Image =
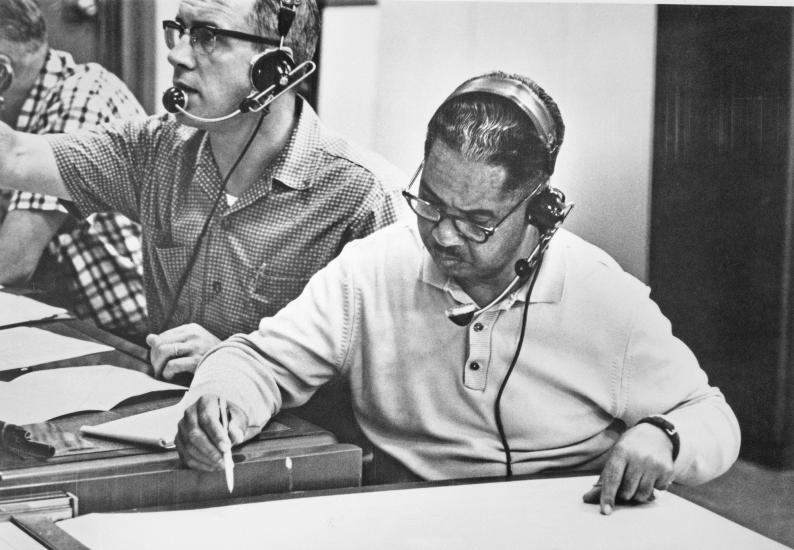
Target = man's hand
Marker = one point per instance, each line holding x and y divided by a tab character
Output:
179	349
640	461
201	439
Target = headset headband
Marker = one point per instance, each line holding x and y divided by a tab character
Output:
525	99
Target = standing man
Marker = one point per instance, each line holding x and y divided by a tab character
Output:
555	361
96	261
237	213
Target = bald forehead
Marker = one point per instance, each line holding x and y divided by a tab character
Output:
230	14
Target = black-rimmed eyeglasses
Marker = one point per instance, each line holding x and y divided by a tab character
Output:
203	37
467	228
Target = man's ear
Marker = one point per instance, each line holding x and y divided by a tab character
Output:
6	73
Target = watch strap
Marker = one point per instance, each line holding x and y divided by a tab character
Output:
668	428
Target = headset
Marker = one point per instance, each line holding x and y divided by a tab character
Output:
6	76
272	73
547	209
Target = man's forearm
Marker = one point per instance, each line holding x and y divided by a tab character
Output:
24	235
27	163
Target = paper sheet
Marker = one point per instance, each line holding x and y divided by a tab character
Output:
42	395
157	427
21	309
27	346
547	513
13	538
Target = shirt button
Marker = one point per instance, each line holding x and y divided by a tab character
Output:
475	366
226	224
216	287
478	327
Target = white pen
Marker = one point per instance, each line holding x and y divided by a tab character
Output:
228	463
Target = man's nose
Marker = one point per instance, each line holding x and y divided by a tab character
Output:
182	53
446	234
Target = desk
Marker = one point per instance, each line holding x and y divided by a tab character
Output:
108	475
521	513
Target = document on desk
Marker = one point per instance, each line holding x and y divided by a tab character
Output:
21	309
46	394
156	428
543	513
28	346
14	538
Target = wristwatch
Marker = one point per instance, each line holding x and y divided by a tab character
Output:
668	428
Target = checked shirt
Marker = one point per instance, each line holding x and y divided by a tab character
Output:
100	256
320	193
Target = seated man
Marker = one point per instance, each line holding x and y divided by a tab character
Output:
242	194
96	262
568	365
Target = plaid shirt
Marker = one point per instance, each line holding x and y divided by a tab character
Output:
258	253
100	256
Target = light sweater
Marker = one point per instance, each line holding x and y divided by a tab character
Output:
598	356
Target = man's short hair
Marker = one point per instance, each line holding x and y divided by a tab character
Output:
305	31
492	129
21	22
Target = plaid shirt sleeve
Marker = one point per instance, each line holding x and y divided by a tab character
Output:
103	253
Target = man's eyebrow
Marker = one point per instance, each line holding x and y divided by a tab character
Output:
195	22
436	201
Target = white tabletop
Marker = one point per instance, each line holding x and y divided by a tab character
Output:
545	513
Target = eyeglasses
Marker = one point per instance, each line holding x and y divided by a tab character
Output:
467	228
203	36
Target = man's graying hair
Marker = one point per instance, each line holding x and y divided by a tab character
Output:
305	31
492	129
21	22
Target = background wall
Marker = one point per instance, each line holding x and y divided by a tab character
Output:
385	69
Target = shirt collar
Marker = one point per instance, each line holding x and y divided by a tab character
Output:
548	288
295	166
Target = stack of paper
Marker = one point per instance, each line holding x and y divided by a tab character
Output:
21	309
46	394
157	428
27	346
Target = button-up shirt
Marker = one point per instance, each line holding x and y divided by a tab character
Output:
597	356
100	257
258	253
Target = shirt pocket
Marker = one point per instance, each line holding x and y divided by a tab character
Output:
272	289
172	262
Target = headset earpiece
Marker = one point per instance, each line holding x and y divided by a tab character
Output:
548	209
271	68
6	73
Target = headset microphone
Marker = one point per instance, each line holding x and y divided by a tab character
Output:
175	99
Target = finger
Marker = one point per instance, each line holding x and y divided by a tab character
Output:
210	433
644	491
593	495
631	480
158	359
190	457
192	442
210	421
238	424
611	477
664	481
178	365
